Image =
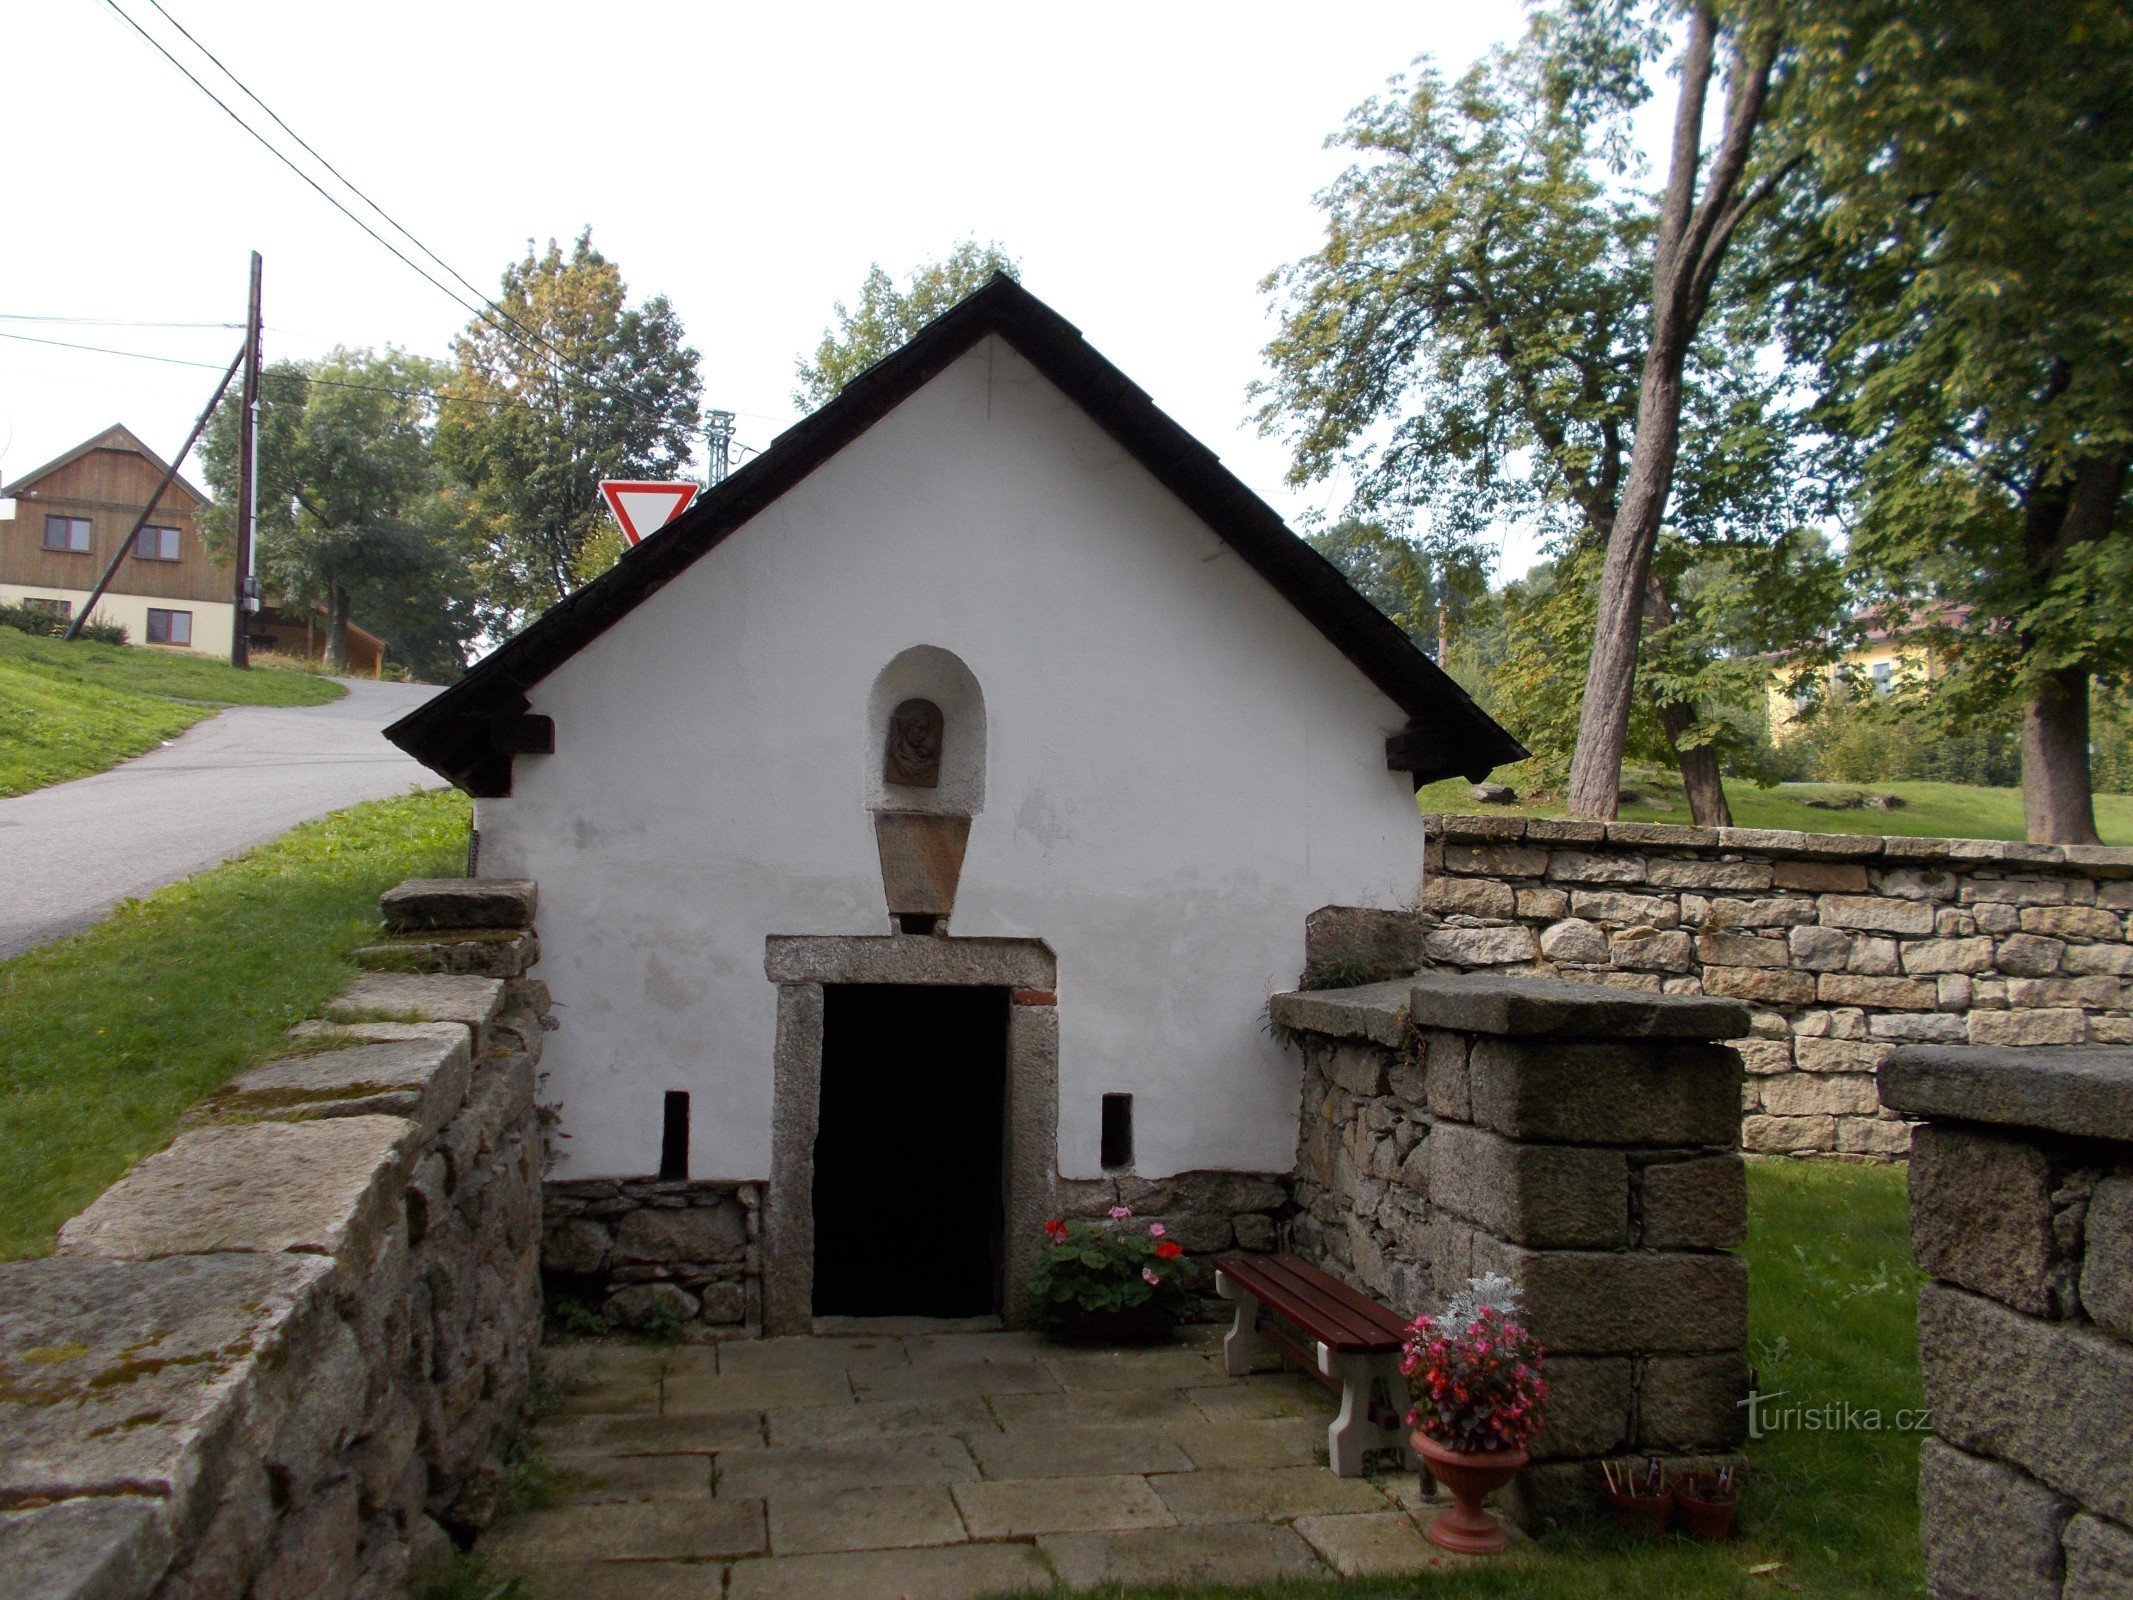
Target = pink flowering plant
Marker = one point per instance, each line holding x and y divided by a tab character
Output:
1115	1265
1474	1371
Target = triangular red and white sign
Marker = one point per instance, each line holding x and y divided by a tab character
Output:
644	508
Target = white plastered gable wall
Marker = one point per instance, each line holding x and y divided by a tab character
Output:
1180	768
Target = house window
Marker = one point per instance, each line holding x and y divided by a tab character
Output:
51	608
170	627
157	544
66	533
1884	675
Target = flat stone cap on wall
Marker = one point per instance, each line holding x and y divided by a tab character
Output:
2094	860
422	903
1553	1007
1476	1002
2078	1089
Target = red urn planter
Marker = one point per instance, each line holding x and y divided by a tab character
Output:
1471	1475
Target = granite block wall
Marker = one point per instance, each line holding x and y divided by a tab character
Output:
280	1357
1583	1142
1844	947
2022	1216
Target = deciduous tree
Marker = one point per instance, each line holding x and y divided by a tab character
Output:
1962	273
1473	344
886	316
565	384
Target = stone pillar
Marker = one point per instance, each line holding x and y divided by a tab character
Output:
1581	1140
2022	1215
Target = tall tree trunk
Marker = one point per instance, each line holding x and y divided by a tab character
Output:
1444	630
1691	245
1700	777
2057	799
2057	807
336	627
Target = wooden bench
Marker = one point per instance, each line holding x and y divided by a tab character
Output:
1347	1341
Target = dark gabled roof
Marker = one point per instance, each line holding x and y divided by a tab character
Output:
470	732
116	437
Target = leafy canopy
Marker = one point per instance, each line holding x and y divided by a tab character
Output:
571	385
886	317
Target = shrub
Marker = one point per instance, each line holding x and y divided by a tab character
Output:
48	625
1095	1269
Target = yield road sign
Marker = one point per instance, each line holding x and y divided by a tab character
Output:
644	508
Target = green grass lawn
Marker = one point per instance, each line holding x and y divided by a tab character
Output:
1930	810
105	1038
1832	1322
67	710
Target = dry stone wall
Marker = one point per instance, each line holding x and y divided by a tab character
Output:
1582	1142
279	1357
2022	1215
657	1255
1844	946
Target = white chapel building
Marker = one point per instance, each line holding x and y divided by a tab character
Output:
939	799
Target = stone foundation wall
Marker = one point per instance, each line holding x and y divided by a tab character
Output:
1582	1142
2022	1215
279	1358
657	1255
1845	946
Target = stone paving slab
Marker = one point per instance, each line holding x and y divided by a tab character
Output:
629	1530
1239	1553
880	1419
651	1436
958	1572
1104	1408
1265	1494
689	1395
897	1461
955	1380
628	1580
894	1517
1272	1442
587	1478
1060	1505
856	1464
1369	1544
1075	1452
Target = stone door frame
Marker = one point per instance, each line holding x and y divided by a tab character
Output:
802	966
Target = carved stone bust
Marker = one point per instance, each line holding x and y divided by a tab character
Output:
916	733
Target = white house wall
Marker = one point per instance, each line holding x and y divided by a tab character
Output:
1179	769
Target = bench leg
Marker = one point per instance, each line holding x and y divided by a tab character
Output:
1241	1344
1355	1431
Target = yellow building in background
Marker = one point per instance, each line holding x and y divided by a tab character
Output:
1883	659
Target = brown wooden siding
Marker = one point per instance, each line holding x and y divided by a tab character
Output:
109	487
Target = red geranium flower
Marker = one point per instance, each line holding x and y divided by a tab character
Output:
1169	1250
1055	1230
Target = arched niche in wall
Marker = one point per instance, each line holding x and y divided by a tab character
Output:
925	769
932	676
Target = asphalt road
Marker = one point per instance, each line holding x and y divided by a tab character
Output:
71	852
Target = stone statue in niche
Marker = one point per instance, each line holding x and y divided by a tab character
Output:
916	732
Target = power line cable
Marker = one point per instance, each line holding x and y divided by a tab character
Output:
110	322
477	313
355	189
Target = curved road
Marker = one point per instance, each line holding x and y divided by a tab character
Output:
71	852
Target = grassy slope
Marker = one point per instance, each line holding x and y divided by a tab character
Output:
1827	1514
1930	810
67	710
105	1038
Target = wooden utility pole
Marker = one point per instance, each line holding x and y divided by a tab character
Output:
247	595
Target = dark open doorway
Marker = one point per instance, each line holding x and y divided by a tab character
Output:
908	1151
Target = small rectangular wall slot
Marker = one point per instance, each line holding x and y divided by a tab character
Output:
674	1136
917	922
1118	1132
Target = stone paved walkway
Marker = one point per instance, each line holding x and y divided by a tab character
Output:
943	1466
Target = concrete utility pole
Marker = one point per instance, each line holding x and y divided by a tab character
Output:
247	595
718	443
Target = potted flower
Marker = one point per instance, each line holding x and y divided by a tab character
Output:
1474	1373
1111	1282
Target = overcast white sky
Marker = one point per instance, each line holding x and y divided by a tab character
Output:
1147	163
